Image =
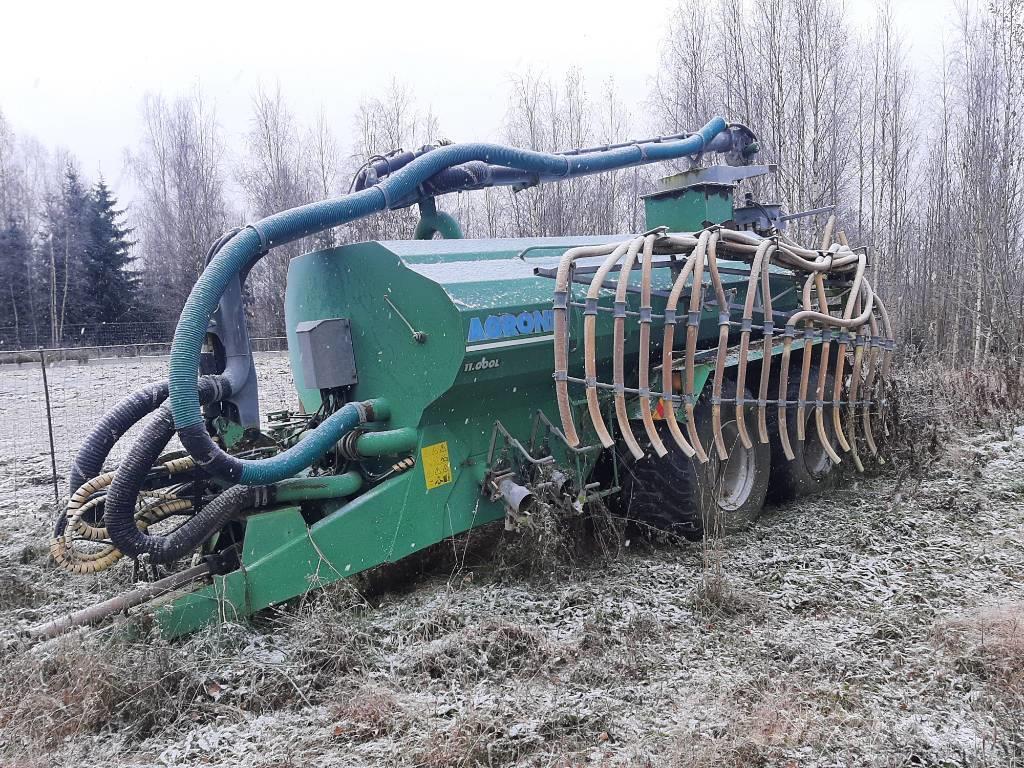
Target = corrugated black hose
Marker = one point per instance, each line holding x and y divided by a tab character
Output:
118	420
98	443
119	510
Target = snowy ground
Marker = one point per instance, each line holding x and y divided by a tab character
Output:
882	626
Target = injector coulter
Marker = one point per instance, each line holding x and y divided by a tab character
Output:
680	374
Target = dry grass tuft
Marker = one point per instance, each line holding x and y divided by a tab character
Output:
491	649
989	644
370	714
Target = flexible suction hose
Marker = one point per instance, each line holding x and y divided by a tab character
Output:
119	506
397	190
100	441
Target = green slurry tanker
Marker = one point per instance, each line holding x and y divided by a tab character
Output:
677	374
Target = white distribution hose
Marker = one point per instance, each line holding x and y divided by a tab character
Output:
644	372
619	350
857	319
590	340
561	324
694	449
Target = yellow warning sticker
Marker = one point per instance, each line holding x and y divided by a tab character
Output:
437	468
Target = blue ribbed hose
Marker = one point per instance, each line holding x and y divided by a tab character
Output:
397	190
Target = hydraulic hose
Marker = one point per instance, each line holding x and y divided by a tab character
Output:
397	190
100	560
619	348
644	372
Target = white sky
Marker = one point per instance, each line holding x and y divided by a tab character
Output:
73	74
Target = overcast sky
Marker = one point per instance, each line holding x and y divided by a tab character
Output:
73	74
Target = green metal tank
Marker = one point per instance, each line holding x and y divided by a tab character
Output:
457	336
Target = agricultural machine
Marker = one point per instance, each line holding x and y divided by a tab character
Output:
679	375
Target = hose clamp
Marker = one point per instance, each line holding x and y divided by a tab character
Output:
264	241
361	410
769	327
826	335
645	314
746	325
619	310
590	308
693	319
561	300
670	317
218	389
723	319
347	445
590	382
560	375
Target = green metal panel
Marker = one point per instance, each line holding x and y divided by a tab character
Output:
689	209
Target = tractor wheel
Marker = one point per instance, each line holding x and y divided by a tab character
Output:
811	471
688	498
668	493
740	482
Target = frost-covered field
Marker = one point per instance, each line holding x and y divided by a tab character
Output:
882	626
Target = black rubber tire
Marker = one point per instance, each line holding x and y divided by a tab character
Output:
810	472
668	493
680	495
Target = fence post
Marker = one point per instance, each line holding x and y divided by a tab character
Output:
49	427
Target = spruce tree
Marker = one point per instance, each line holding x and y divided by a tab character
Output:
16	321
108	262
61	252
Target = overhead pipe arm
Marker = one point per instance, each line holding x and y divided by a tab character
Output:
505	165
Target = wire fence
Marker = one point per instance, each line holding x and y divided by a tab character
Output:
51	397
